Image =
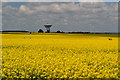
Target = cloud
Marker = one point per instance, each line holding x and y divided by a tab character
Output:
25	9
60	0
63	16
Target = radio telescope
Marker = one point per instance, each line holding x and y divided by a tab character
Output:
48	26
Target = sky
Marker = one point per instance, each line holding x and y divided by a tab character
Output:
64	16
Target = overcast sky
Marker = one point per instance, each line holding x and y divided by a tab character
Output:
31	16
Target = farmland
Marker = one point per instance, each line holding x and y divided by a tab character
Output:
45	56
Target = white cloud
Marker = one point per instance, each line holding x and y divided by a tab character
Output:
25	9
63	16
60	0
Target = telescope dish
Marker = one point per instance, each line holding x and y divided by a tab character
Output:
47	26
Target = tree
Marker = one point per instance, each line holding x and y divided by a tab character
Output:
40	31
58	31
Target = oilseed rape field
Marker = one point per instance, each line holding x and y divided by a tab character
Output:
47	56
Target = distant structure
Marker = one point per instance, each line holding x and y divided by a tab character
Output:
40	31
30	33
48	26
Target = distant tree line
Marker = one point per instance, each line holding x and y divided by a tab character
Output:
14	31
80	32
41	31
58	31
